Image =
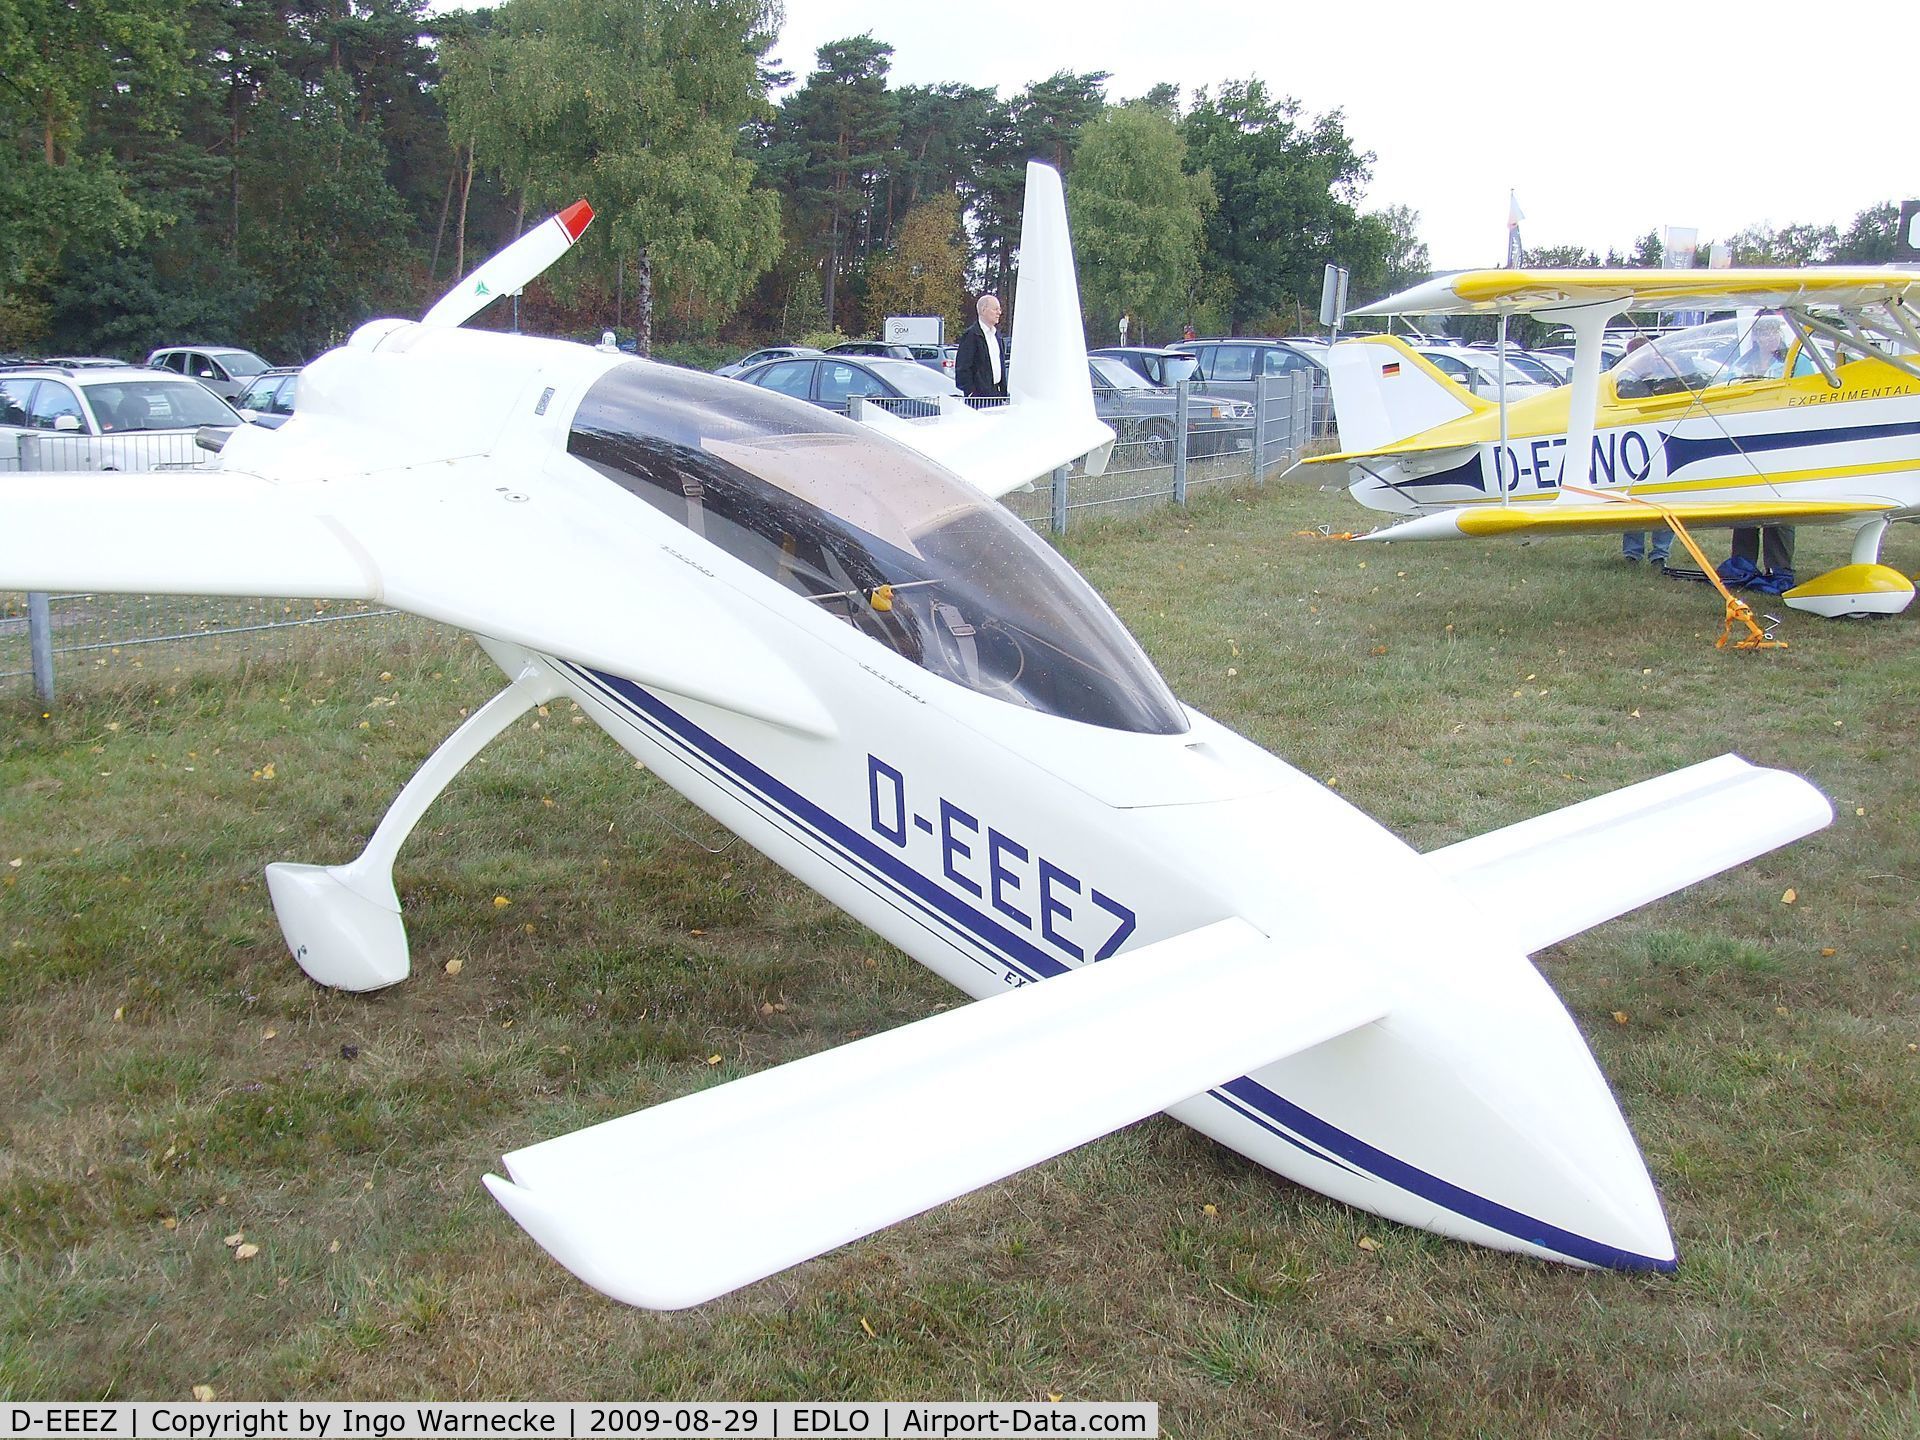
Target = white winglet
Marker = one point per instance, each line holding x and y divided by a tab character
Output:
671	1206
513	267
1048	420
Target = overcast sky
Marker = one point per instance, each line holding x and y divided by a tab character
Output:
1632	118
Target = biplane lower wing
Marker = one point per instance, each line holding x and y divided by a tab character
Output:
1611	517
673	1205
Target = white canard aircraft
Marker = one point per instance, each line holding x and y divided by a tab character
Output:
847	653
1811	416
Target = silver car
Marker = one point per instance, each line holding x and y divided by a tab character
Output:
227	370
96	417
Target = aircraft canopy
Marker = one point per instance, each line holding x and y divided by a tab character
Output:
907	553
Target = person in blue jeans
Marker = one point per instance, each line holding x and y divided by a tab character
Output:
1634	545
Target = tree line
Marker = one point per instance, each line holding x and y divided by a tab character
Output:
273	172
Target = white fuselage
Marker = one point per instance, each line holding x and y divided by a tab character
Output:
998	846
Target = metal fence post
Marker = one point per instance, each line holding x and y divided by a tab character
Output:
40	641
1182	398
1260	397
1060	501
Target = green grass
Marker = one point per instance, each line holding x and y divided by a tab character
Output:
171	1078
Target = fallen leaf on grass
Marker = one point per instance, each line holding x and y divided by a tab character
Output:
1828	952
204	1394
868	1328
1209	1209
713	1059
268	1034
246	1251
1790	896
1619	1017
500	902
1365	1242
234	1239
454	967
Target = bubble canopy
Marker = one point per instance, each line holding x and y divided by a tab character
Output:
901	549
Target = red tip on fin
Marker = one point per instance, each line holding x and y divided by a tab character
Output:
575	219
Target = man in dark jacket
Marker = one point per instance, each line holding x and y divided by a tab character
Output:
980	367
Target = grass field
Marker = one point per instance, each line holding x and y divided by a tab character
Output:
171	1080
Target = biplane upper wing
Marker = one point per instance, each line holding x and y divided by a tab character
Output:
516	557
1514	292
1048	420
673	1205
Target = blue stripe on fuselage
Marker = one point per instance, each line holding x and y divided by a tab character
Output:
1682	452
1252	1100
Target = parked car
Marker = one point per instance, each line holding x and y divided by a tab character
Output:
131	417
936	357
224	369
269	400
877	348
1479	371
1231	365
1165	368
1535	370
761	356
77	361
906	388
1146	417
1559	366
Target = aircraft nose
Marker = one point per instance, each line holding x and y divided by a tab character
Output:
1473	1108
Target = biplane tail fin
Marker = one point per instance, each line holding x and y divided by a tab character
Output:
1384	391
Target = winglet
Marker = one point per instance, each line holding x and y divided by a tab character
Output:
1049	348
1049	419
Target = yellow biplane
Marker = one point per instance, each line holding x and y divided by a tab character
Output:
1808	413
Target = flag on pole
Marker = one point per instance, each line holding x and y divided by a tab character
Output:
1514	217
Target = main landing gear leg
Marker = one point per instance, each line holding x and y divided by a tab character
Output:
342	922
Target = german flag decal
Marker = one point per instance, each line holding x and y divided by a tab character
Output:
1391	368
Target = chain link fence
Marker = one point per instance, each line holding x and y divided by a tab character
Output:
1169	444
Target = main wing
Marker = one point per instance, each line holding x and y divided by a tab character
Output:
673	1205
1512	292
517	557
